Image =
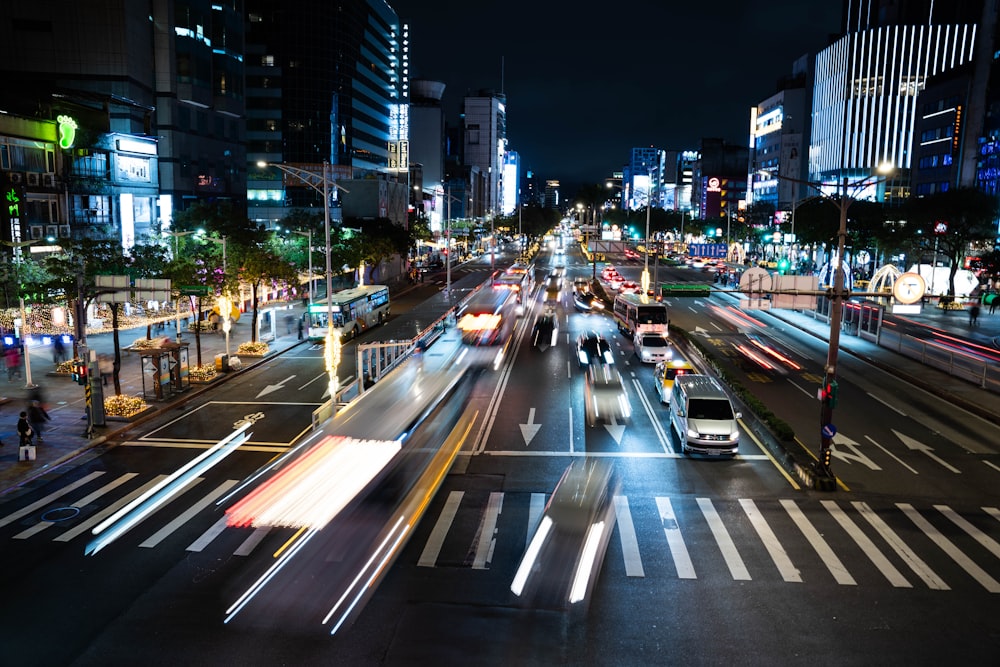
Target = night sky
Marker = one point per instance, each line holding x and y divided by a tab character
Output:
587	81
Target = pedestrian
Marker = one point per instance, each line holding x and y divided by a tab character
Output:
994	302
301	328
288	324
24	429
37	416
58	350
13	358
974	315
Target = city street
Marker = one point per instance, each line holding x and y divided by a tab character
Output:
710	560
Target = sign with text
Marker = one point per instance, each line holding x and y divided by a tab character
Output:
714	250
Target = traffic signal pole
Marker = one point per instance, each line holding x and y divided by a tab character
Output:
828	394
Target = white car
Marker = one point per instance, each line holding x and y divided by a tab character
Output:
652	348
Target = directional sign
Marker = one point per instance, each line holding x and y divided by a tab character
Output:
275	387
195	290
616	430
829	430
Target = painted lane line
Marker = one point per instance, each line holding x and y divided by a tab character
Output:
766	455
630	544
82	502
992	465
111	509
898	460
823	550
188	514
675	541
988	542
993	512
777	552
914	562
886	404
487	537
808	393
661	434
734	562
429	556
947	546
251	542
877	558
24	511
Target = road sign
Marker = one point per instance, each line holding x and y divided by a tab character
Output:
829	430
195	290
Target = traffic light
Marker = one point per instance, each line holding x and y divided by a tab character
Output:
828	393
79	371
782	266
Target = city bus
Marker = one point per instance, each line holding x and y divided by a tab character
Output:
487	324
637	313
354	310
519	278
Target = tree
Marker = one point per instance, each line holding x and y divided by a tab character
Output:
258	265
953	220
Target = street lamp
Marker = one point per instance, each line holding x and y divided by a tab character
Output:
321	183
18	260
308	233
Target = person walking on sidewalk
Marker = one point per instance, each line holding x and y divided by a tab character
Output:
974	315
37	416
58	350
24	429
13	359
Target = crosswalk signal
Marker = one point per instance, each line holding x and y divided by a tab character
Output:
79	371
828	393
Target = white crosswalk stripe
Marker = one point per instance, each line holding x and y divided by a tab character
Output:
805	541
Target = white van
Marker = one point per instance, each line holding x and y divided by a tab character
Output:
703	416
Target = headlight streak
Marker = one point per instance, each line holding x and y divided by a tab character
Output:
776	354
271	465
134	512
357	598
586	565
530	556
314	488
258	585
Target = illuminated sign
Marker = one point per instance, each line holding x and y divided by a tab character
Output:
67	131
940	227
714	185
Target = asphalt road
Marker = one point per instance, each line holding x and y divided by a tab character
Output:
711	561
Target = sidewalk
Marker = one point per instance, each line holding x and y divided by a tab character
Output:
64	434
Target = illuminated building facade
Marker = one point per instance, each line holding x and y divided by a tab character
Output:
865	97
485	141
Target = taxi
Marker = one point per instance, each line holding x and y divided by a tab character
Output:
665	373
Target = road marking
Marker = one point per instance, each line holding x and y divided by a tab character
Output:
777	552
993	512
111	509
429	556
988	542
735	564
661	435
251	542
82	502
25	511
623	455
877	558
898	460
919	567
992	465
626	533
823	550
888	405
675	541
766	455
208	536
188	514
947	546
487	536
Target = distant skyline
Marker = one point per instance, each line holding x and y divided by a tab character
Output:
584	87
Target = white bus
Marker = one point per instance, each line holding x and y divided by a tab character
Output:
637	313
354	310
487	324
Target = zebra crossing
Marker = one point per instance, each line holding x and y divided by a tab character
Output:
798	541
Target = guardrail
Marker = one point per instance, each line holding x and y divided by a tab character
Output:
983	372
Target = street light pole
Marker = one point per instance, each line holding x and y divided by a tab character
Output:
309	233
447	255
645	268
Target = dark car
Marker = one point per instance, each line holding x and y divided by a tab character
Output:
546	330
593	348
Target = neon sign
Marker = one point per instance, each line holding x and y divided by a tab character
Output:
67	131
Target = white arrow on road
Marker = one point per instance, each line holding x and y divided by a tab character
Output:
616	430
703	332
275	387
916	445
841	440
529	430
